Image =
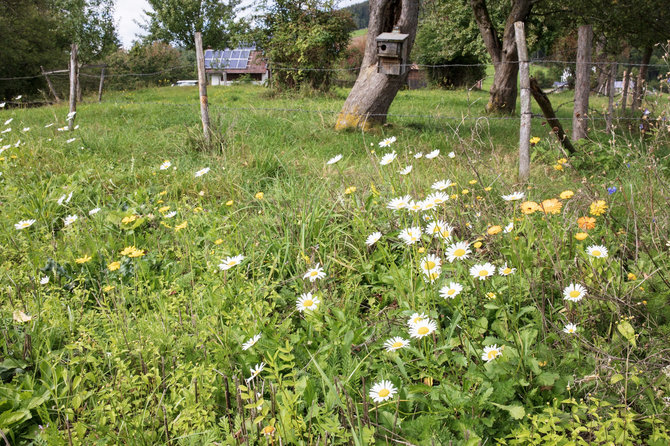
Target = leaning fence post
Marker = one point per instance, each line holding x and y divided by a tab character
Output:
51	86
73	87
102	81
524	128
610	96
202	85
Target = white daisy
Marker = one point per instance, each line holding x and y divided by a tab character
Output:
71	140
23	224
387	142
314	273
415	319
382	391
598	251
438	197
574	292
459	250
93	211
430	263
64	199
451	291
422	328
251	342
451	155
229	262
427	205
406	170
514	196
70	115
49	125
44	280
399	203
491	352
373	238
441	185
508	228
415	206
334	159
506	270
432	276
166	165
410	235
570	328
396	343
201	172
307	302
434	154
418	155
170	214
255	371
482	271
9	121
26	129
388	158
70	219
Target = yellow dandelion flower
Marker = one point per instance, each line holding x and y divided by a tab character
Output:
566	194
586	223
114	266
229	203
422	250
166	225
598	207
534	140
477	245
128	250
581	236
465	191
529	207
488	188
453	196
108	288
259	195
197	209
350	190
161	193
84	259
632	276
136	253
551	206
218	241
129	219
472	181
558	167
493	230
181	226
164	209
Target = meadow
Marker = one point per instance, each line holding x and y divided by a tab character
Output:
290	284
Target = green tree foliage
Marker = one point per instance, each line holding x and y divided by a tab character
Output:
360	12
301	37
177	21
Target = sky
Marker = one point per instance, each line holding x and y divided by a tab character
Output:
128	12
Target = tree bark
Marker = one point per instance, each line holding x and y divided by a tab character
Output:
548	111
626	82
50	84
503	53
74	74
610	96
372	94
640	83
524	126
202	86
582	83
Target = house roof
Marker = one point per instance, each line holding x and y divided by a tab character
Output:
238	60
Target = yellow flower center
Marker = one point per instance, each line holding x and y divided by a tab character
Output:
308	303
422	330
492	354
483	273
433	276
314	273
430	264
459	252
507	271
596	253
451	292
397	344
574	293
384	392
231	263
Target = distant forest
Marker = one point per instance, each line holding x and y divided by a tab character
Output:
360	13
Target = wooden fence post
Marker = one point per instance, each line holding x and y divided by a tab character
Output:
610	94
580	121
202	86
102	81
73	86
51	86
524	128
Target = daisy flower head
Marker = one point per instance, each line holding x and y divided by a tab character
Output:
416	318
440	229
434	154
399	203
166	165
170	214
432	276
482	271
427	204
251	342
395	343
441	185
387	142
44	280
382	391
514	196
69	220
314	273
597	251
574	292
430	263
201	172
21	317
406	170
438	197
491	352
506	270
458	250
388	158
255	371
229	262
307	302
422	328
415	206
451	155
93	211
410	235
23	224
451	291
373	238
570	329
508	228
334	159
418	155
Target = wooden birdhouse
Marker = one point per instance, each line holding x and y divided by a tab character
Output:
392	53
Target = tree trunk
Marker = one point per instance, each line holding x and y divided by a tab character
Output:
51	86
548	111
372	94
626	82
640	84
74	74
610	96
503	54
582	83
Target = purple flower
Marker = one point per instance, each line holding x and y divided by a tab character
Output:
611	190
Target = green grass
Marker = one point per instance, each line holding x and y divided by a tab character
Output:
359	32
150	353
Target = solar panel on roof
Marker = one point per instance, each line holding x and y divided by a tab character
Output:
237	59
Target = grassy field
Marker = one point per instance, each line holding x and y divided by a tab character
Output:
136	322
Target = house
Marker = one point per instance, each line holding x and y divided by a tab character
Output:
618	86
226	66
